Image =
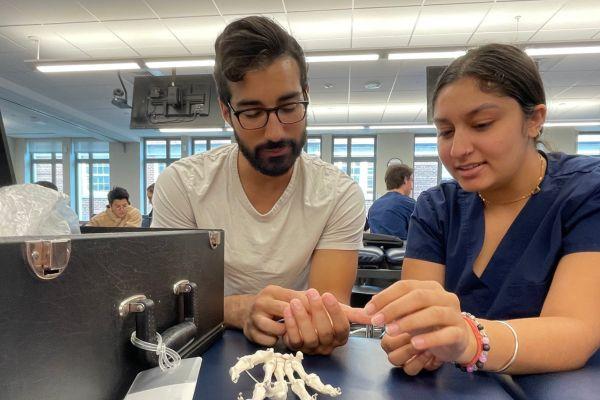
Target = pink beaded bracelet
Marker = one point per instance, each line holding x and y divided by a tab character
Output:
483	344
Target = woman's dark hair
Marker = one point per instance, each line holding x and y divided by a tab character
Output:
252	43
117	193
499	68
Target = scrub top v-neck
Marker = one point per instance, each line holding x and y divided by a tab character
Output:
448	228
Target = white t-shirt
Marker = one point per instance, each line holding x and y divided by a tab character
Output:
321	208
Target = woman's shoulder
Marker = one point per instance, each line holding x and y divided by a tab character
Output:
561	164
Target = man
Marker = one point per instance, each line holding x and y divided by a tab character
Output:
391	213
290	221
47	184
119	212
147	220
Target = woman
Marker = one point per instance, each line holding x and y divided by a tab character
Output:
516	237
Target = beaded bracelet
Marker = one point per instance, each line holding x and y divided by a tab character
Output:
483	344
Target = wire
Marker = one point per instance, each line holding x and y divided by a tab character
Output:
167	358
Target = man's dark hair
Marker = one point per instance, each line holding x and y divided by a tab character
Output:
117	193
47	184
252	43
499	68
396	175
150	188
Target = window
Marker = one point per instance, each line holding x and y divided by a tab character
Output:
356	157
204	144
588	144
429	170
46	162
313	146
158	155
93	178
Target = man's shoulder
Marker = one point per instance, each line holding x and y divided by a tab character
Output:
203	165
317	169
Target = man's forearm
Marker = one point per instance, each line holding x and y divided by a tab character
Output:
236	309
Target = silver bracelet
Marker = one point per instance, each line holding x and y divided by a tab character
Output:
514	356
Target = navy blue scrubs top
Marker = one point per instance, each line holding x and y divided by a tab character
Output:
390	214
447	228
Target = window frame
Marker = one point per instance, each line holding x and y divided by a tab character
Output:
209	140
90	160
349	159
320	137
53	161
167	161
583	134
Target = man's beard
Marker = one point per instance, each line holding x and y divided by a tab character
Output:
269	165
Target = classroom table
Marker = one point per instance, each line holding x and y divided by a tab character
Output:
582	384
360	368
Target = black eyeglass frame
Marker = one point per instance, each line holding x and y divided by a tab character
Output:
305	103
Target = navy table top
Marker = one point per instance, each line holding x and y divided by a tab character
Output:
360	368
582	384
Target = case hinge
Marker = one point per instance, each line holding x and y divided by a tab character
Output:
48	258
214	239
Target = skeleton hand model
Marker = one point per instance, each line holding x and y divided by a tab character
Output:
282	366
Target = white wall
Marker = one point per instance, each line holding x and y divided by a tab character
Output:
18	147
561	139
125	170
392	145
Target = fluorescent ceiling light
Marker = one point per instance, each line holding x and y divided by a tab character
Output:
81	67
431	55
558	51
342	57
180	63
178	130
574	124
335	128
402	126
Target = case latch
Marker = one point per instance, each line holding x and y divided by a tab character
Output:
214	239
48	258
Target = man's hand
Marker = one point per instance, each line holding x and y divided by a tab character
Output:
318	328
259	320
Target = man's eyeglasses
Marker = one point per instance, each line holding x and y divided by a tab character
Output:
257	118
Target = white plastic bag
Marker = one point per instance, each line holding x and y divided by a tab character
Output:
173	384
30	209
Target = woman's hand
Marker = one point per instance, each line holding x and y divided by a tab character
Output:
424	325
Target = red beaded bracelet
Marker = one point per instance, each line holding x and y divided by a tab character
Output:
483	344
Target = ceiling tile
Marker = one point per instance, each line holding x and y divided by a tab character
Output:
379	68
111	52
9	46
249	6
453	39
325	44
564	35
448	19
207	49
456	2
318	85
582	62
162	51
560	78
321	25
328	70
11	15
320	98
358	83
385	3
500	37
378	42
408	96
118	10
313	5
576	14
533	15
97	35
389	22
196	30
378	97
143	34
46	12
580	92
184	8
